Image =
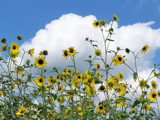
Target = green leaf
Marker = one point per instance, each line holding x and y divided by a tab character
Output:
136	103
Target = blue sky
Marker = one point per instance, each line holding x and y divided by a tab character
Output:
26	17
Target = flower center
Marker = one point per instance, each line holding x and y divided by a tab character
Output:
101	107
97	23
65	53
89	80
119	58
40	80
40	61
71	50
14	47
154	95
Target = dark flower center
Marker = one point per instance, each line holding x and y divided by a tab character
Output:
40	80
153	95
57	77
144	48
97	23
71	50
101	107
65	53
79	77
40	61
14	47
119	58
89	80
102	88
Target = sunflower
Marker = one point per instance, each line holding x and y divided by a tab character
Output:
110	83
79	110
21	111
142	83
65	54
96	23
119	59
43	88
40	62
70	94
120	76
51	99
31	52
97	66
61	99
146	106
158	93
132	111
3	40
103	22
153	84
89	80
4	47
72	51
115	17
35	112
80	77
97	52
120	102
51	80
100	109
19	69
144	49
13	55
101	88
40	80
99	74
120	91
155	74
60	88
152	96
75	82
14	47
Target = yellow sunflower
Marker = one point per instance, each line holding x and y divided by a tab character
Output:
97	66
110	83
152	96
4	47
35	112
100	109
40	80
101	88
43	88
97	52
80	77
132	111
119	59
144	49
96	23
65	54
89	80
61	99
153	84
60	88
31	52
142	83
120	76
72	51
1	93
115	17
155	74
51	80
21	111
14	47
103	22
146	106
13	55
40	62
158	93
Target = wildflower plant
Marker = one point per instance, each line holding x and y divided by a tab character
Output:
71	94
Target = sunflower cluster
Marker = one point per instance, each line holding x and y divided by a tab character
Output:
99	92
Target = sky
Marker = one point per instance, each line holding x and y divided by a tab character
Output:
27	17
56	25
